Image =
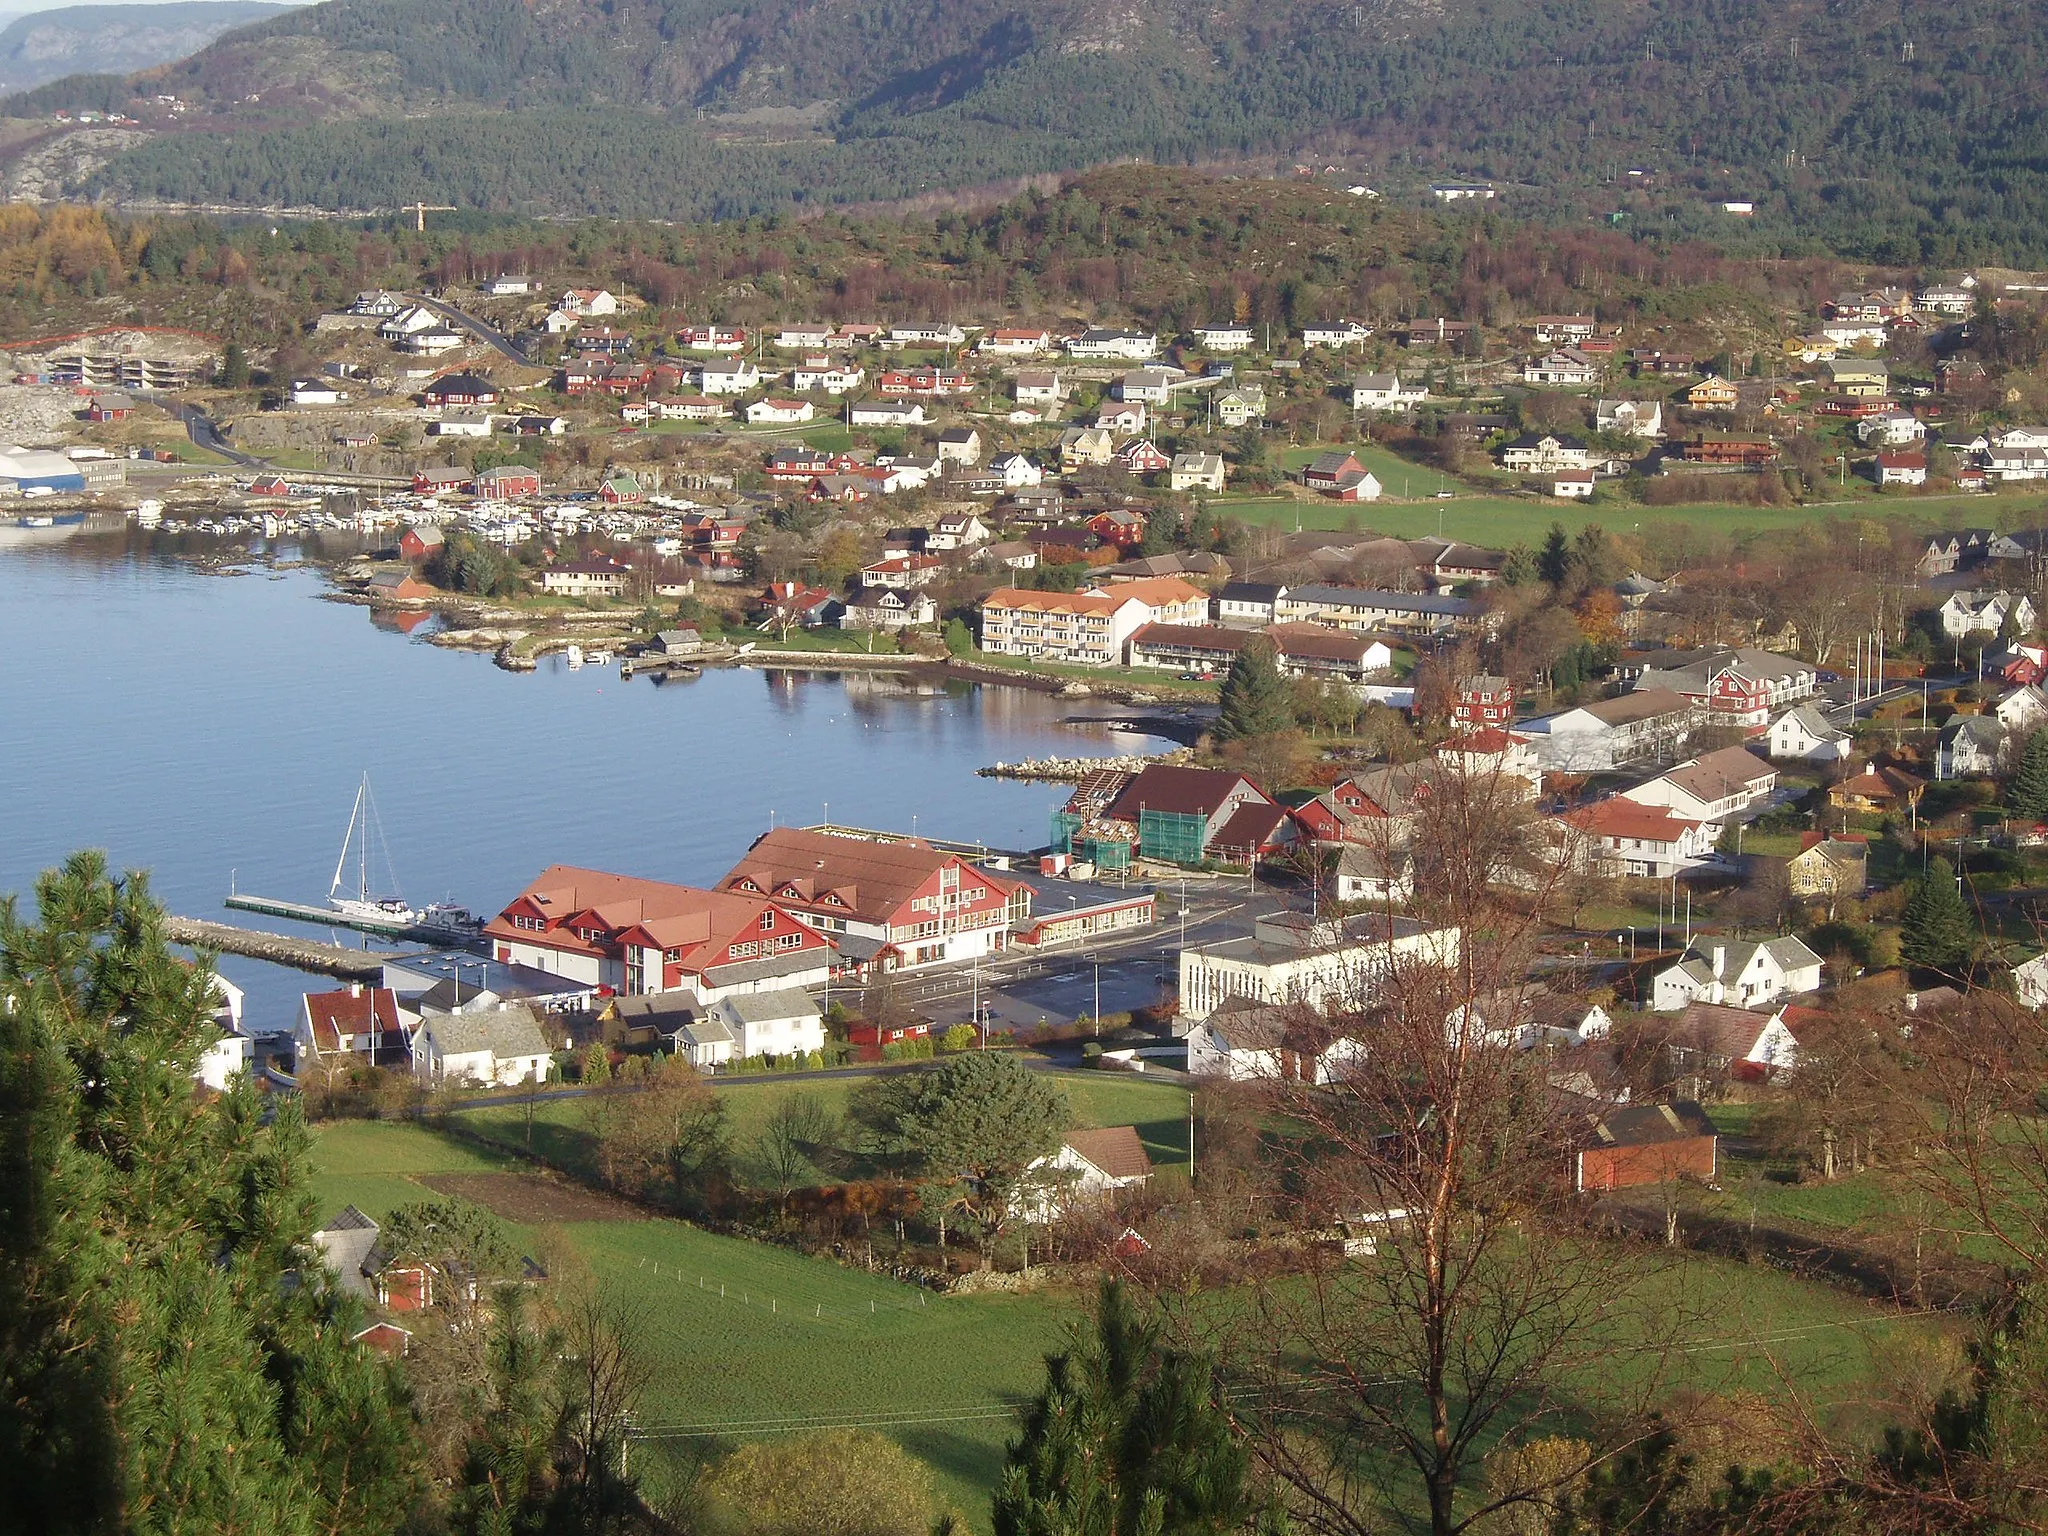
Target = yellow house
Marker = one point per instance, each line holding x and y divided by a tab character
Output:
1711	395
1811	349
1860	380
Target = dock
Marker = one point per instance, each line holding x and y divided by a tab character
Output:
277	948
326	917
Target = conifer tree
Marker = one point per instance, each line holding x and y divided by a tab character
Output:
156	1373
1125	1440
1935	930
2028	793
1554	560
1256	700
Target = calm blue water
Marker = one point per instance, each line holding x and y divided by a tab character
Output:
204	727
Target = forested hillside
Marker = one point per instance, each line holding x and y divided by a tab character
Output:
1909	132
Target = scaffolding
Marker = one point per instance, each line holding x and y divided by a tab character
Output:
1064	825
1173	837
1109	855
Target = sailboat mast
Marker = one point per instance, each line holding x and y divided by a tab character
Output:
334	887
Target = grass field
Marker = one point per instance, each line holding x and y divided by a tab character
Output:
749	1339
560	1133
1502	521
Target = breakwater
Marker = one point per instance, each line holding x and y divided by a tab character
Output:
1072	770
277	948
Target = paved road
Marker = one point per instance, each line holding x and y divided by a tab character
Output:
204	434
482	330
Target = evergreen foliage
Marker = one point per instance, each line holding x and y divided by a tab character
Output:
155	1374
2027	795
1936	930
1126	1439
1255	698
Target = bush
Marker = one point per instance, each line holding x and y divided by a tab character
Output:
1091	1053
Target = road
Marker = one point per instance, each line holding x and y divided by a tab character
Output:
482	330
204	434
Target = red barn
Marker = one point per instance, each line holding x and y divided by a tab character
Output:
1646	1144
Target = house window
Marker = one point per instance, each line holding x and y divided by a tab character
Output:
767	921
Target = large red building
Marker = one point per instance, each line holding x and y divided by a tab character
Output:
1483	701
625	935
888	902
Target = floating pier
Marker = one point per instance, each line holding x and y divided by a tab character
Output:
278	949
326	917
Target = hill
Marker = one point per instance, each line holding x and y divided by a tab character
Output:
1912	132
114	39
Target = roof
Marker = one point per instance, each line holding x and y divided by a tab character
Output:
1250	826
871	877
1170	788
1113	1149
1157	591
1199	637
782	1003
1717	775
1619	817
1015	598
1647	1125
1372	597
1724	1031
334	1014
674	916
1642	704
349	1219
509	1031
1320	641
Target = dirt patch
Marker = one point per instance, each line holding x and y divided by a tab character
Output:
531	1200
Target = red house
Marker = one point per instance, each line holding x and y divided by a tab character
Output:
269	485
925	381
1646	1144
508	482
1121	526
418	543
460	389
1483	701
619	934
1143	458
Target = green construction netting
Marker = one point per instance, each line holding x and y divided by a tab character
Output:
1064	825
1173	836
1110	856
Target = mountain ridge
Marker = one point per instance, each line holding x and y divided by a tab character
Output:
1919	131
49	45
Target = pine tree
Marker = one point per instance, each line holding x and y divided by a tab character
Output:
1256	700
154	1371
2027	795
1125	1440
1935	930
1554	560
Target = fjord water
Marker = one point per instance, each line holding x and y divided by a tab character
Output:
213	727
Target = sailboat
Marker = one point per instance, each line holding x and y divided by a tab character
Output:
363	823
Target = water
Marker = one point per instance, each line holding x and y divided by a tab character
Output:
209	728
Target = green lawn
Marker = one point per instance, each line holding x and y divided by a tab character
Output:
749	1339
560	1133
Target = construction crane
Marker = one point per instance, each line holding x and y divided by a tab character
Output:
419	212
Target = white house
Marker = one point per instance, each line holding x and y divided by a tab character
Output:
1894	429
1715	787
1967	613
1385	392
225	1060
2030	982
1135	345
2021	709
1295	959
1224	338
1972	746
1342	333
1195	472
773	412
588	301
1633	418
960	445
1597	738
455	422
1757	1044
1567	368
828	379
885	413
1742	972
1016	471
1149	386
497	1047
1250	1042
735	376
957	530
1090	1166
1803	734
316	392
1382	876
783	1023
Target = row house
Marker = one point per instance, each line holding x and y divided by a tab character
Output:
1568	369
885	903
1715	787
1137	346
1548	453
827	378
1738	686
934	382
634	936
1355	608
926	336
1093	627
1984	613
726	339
1727	452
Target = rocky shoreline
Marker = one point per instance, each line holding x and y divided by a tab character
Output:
1072	770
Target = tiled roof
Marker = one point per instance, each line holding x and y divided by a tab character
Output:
1115	1149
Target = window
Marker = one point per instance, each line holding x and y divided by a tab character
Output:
767	920
745	951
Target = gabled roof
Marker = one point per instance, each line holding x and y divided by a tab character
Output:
869	878
364	1011
783	1003
1115	1150
1647	1125
508	1031
1170	788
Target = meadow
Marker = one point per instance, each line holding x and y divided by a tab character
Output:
748	1339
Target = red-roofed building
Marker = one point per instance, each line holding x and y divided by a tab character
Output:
351	1024
888	903
626	935
924	381
1632	839
1482	701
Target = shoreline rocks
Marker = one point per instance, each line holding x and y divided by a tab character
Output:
1072	770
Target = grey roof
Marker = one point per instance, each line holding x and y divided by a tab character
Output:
350	1219
507	1031
1376	381
767	968
784	1003
705	1031
1987	731
667	1009
1395	602
1814	723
